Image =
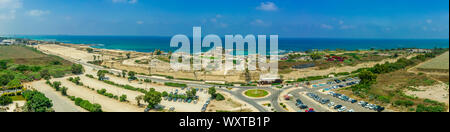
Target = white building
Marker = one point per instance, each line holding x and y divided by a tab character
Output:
8	42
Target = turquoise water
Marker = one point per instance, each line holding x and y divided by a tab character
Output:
147	43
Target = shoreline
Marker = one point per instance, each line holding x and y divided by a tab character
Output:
287	47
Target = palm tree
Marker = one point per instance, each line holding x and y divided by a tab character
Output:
138	99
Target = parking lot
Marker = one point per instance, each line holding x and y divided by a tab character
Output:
349	105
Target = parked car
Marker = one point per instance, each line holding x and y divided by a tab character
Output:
172	109
324	101
338	107
379	108
342	109
331	104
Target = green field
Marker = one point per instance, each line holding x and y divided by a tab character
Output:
439	63
28	56
28	64
256	93
18	52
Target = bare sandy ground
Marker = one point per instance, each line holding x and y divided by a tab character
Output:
12	107
60	103
67	52
230	104
439	92
108	104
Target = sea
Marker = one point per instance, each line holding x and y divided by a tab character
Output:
285	45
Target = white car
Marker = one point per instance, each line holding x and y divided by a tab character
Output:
342	109
351	110
331	104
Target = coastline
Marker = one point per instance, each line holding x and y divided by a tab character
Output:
146	44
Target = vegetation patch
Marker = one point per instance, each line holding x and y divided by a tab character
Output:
256	93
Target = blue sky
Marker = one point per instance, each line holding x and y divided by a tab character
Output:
287	18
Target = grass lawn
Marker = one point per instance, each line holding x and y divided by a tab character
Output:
18	98
440	62
28	56
256	93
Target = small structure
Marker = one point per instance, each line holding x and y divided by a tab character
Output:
419	51
269	79
8	42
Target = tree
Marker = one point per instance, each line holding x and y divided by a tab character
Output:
37	102
128	55
3	64
153	98
96	108
101	74
132	75
77	69
14	84
165	94
57	85
123	98
367	77
315	55
5	100
124	73
138	99
64	91
45	74
212	92
220	97
90	50
6	77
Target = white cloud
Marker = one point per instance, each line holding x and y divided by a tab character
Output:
348	27
267	6
38	13
325	26
140	22
214	20
259	22
429	21
8	9
10	4
125	1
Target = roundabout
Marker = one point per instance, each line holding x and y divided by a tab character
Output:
256	93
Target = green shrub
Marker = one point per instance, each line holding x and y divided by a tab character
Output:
220	97
78	101
5	100
123	98
384	99
406	103
175	84
423	108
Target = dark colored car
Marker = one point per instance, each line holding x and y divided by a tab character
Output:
338	107
379	108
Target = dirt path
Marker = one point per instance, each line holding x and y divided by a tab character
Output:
60	103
